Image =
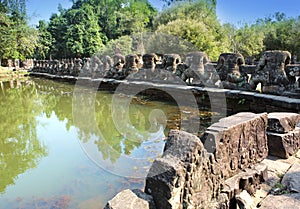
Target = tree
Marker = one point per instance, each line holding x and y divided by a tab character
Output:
195	22
249	41
42	50
17	39
170	2
57	28
136	16
83	37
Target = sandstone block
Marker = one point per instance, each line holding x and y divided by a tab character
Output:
282	122
291	179
281	201
185	176
131	199
284	145
237	142
245	201
248	180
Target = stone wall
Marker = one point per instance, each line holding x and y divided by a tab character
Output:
215	170
273	72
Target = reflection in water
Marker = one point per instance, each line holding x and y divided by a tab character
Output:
20	148
39	139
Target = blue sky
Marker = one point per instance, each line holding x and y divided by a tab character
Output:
233	11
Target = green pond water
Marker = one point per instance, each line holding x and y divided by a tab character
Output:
65	146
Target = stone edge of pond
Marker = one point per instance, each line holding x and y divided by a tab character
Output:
188	176
236	100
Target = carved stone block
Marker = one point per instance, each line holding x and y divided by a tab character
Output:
237	142
185	176
248	180
282	122
284	145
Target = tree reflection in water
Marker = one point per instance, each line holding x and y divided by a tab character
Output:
20	148
95	124
120	146
120	150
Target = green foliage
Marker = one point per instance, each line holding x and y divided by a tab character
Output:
201	10
83	29
92	26
57	28
42	50
83	34
283	34
135	16
121	45
195	22
19	145
248	40
17	40
195	32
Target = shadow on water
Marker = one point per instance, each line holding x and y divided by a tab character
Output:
32	111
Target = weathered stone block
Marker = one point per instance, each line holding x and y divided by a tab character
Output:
284	145
237	142
131	199
281	201
291	179
282	122
248	180
245	201
186	176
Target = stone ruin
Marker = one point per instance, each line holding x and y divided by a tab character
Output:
274	71
216	170
270	72
230	71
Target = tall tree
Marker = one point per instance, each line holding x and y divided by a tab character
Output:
57	28
17	39
42	50
83	37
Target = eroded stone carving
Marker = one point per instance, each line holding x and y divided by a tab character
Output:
149	65
107	63
116	70
132	64
270	72
194	68
273	71
230	72
170	62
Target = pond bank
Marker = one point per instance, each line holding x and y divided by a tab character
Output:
224	100
7	74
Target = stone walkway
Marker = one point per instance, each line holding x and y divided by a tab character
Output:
282	189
